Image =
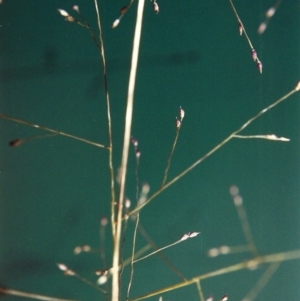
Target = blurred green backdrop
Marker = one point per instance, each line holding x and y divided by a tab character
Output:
54	190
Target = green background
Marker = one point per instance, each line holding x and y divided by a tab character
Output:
54	190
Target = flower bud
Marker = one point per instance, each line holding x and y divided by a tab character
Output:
181	113
259	66
134	141
16	142
155	7
123	10
240	28
116	23
63	12
254	54
76	8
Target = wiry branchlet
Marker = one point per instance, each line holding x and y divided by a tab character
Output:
188	235
240	28
259	66
155	7
209	298
297	88
181	113
177	123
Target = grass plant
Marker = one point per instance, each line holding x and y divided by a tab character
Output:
118	205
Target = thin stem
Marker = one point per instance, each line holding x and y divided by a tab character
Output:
170	157
132	256
262	282
102	250
213	150
160	254
52	131
241	23
200	292
128	121
271	258
267	137
110	157
136	222
6	291
238	203
158	250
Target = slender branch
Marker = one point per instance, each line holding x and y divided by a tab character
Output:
238	203
128	121
278	257
200	292
160	254
262	282
183	238
178	127
56	132
267	137
6	291
241	23
158	250
110	159
217	147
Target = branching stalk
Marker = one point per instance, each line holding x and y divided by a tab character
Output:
127	132
56	132
110	157
217	147
279	257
